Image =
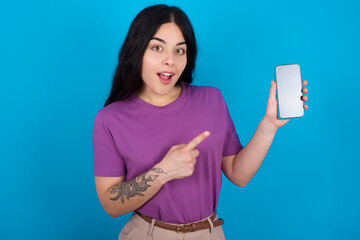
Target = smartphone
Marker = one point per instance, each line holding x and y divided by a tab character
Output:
288	81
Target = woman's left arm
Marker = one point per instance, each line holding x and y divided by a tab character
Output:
240	168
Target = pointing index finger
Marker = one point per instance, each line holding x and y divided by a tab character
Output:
196	141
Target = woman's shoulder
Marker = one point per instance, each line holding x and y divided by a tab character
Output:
109	108
204	90
115	108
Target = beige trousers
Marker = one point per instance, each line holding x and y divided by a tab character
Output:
138	229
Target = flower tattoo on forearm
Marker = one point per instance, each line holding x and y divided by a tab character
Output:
134	187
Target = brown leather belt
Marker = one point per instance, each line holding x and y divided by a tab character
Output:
184	228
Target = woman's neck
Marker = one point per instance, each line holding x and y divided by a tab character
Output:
160	101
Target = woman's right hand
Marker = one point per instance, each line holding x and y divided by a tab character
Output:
180	160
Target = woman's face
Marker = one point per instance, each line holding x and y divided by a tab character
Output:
164	61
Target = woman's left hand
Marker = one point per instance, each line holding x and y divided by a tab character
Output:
271	120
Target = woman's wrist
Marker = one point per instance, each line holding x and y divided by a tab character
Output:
164	176
267	127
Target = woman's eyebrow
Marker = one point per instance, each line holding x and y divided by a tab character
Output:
163	41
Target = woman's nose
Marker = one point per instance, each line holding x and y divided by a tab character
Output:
169	59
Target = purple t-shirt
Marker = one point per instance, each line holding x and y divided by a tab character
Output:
131	136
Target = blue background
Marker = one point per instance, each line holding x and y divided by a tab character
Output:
57	60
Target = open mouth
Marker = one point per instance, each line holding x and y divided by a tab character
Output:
165	76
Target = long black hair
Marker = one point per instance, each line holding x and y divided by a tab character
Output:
127	78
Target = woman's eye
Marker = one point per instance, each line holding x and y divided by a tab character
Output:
180	51
156	48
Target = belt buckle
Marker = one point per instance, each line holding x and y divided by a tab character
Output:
178	228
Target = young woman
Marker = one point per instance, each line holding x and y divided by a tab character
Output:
160	143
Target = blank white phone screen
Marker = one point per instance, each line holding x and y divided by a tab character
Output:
289	94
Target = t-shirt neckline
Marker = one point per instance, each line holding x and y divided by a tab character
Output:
173	104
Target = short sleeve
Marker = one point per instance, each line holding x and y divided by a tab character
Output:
232	145
107	159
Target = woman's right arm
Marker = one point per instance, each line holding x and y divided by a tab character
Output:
119	197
